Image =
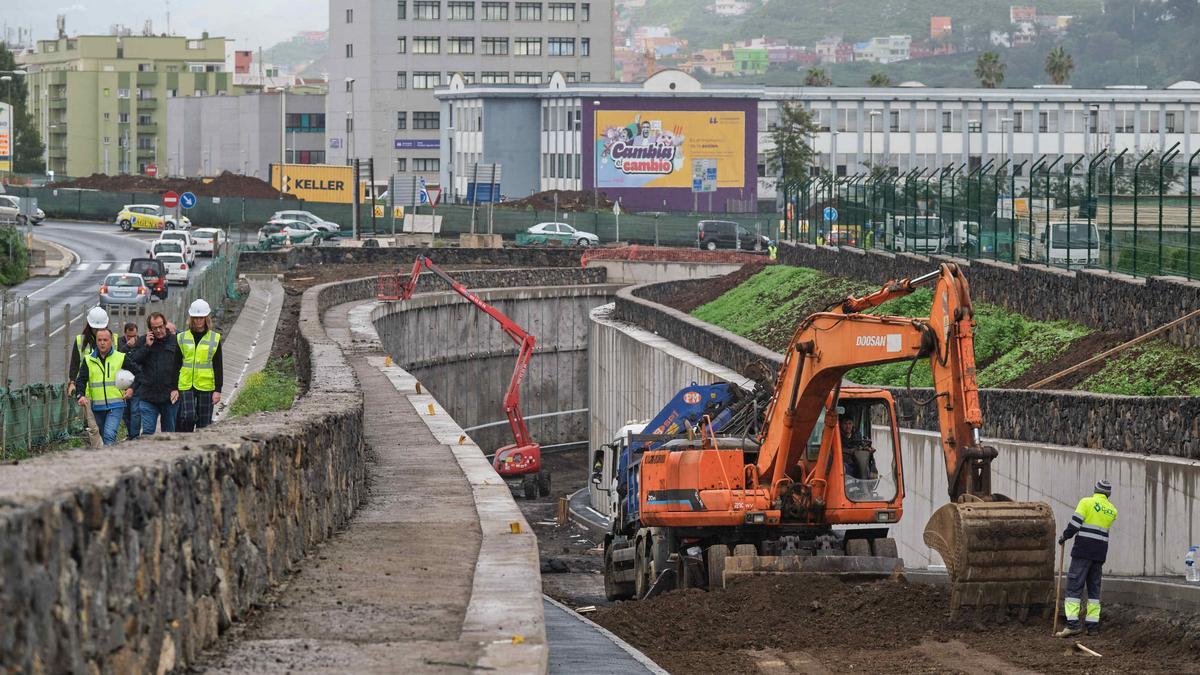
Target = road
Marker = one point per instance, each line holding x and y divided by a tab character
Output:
101	249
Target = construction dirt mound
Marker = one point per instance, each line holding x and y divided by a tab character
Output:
225	185
815	624
568	201
691	296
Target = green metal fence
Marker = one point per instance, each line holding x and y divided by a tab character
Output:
1123	213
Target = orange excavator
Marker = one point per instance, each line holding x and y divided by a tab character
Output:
818	488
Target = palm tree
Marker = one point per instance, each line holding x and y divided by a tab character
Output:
879	80
989	69
817	77
1059	65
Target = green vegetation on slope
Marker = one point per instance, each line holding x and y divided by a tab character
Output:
269	390
1157	368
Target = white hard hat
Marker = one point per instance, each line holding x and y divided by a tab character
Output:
124	379
199	308
97	318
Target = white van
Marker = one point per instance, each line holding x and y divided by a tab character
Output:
1060	244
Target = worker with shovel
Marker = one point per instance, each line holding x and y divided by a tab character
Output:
1089	525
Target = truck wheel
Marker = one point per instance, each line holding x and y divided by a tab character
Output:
612	589
529	483
714	560
641	566
543	481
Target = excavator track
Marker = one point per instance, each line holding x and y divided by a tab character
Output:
998	553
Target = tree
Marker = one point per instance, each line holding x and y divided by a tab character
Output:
1059	65
793	154
989	70
28	147
817	77
879	80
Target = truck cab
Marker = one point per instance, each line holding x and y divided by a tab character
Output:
1059	243
918	234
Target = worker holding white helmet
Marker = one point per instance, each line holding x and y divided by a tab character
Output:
106	383
85	342
200	369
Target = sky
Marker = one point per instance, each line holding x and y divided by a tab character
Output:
251	23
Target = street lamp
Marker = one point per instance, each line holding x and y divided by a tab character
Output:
350	121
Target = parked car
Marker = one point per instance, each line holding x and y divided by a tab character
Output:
160	246
124	289
544	233
296	231
10	209
185	238
150	217
177	269
309	218
715	234
153	273
208	241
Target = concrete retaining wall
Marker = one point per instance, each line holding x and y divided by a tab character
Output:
633	373
1095	298
451	347
391	259
1136	424
643	271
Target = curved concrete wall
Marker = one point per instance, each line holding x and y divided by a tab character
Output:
1158	497
466	360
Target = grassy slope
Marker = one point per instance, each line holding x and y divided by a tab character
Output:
767	307
271	389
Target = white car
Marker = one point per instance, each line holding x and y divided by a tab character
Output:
185	238
308	218
299	231
177	269
150	217
160	246
208	241
565	233
10	209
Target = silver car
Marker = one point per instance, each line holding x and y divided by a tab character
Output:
128	291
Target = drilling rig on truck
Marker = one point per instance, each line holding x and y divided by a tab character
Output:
817	490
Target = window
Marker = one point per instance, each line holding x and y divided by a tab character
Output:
585	77
529	11
349	51
521	77
493	77
426	165
401	164
106	115
426	10
585	46
402	45
145	67
460	45
894	120
560	46
468	77
123	118
401	120
427	45
349	16
527	46
561	11
107	140
460	11
495	46
402	79
305	122
585	11
401	10
144	120
122	93
495	11
349	123
1172	127
425	80
427	120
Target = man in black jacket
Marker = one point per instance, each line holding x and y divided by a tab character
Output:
158	356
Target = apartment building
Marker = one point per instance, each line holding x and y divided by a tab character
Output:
386	57
100	100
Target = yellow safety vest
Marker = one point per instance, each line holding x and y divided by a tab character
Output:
197	371
102	378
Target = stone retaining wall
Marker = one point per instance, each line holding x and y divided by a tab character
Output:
402	258
1151	425
1095	298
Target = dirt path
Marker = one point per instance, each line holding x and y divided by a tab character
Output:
817	624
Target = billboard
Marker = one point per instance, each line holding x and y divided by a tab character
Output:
6	148
656	148
315	182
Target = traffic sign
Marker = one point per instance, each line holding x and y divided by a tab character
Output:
379	210
152	170
434	195
831	214
170	200
187	200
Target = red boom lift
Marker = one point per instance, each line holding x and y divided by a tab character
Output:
523	459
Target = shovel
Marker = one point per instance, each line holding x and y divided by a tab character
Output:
1062	554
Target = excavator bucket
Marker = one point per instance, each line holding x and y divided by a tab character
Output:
999	553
